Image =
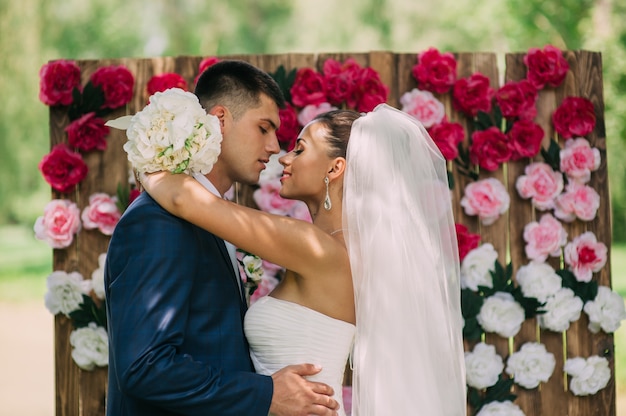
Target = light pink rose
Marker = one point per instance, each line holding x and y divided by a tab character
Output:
423	106
585	255
578	201
540	183
102	213
486	198
311	111
268	199
300	211
59	223
544	238
579	159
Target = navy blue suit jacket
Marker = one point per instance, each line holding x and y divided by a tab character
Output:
175	322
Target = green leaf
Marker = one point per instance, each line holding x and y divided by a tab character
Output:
483	121
497	116
88	312
552	156
123	197
471	302
531	306
450	180
586	291
472	331
284	80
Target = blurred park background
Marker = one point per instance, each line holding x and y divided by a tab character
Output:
35	31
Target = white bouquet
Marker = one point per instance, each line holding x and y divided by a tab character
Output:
173	132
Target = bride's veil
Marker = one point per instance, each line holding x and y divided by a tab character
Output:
408	355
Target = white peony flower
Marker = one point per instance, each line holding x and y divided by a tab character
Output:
606	311
561	309
588	376
483	366
65	292
501	314
90	346
476	266
538	280
500	409
174	133
531	365
253	267
97	277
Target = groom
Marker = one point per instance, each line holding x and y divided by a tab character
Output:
175	304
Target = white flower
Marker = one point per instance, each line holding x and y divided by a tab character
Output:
97	277
253	267
588	376
506	408
476	266
501	314
561	309
90	346
173	132
65	292
606	311
538	280
483	366
531	365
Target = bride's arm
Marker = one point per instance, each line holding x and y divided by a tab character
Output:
294	244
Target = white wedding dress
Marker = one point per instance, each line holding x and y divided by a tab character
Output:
282	333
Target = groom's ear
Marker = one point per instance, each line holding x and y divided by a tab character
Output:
220	112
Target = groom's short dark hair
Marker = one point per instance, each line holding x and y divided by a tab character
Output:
236	85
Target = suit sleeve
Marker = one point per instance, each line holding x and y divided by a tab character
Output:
149	282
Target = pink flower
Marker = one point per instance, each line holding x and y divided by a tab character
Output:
489	148
435	71
525	139
268	199
547	66
472	94
309	87
102	213
540	183
544	238
162	82
204	65
289	127
117	84
423	106
447	137
266	285
465	240
578	201
87	133
578	160
585	255
518	99
311	111
57	80
486	198
300	211
63	169
574	117
59	223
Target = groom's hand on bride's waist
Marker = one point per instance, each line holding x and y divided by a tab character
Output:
294	395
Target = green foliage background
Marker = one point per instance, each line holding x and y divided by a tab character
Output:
35	31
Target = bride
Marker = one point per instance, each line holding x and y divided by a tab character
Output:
375	277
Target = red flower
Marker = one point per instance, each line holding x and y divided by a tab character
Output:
447	137
117	84
574	117
547	66
466	240
134	193
472	94
289	126
57	80
489	148
370	91
525	139
166	81
435	71
87	133
341	80
517	99
204	65
309	87
63	169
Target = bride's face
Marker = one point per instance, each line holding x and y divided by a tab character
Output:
305	167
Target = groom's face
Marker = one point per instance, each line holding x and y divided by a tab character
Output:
249	141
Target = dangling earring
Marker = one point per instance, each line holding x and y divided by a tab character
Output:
327	204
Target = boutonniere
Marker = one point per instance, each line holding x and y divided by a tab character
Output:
252	267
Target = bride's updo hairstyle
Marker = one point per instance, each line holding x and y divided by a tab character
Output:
338	124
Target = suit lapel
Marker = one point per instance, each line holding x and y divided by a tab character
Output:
236	279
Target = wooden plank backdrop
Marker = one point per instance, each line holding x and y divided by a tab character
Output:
83	393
